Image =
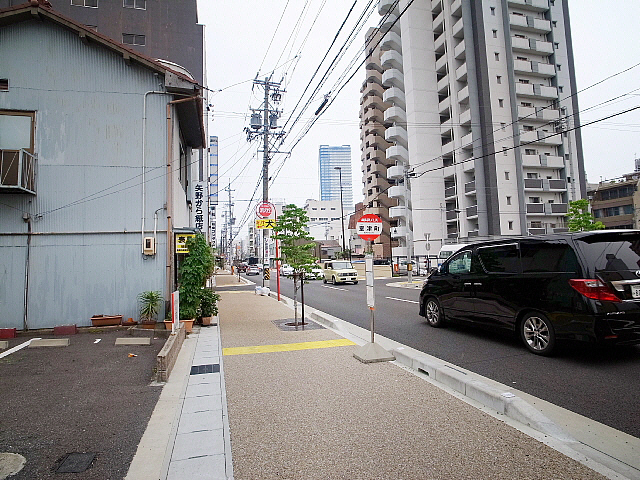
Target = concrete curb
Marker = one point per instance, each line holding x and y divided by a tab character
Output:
167	357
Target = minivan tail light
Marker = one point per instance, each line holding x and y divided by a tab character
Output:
593	288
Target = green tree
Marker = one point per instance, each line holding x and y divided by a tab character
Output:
194	270
580	219
296	245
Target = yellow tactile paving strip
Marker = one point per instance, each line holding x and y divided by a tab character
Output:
286	347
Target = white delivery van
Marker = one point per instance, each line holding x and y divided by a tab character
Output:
447	250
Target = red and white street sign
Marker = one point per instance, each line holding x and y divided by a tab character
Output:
369	227
266	210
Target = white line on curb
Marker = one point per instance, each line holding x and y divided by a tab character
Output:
17	347
401	299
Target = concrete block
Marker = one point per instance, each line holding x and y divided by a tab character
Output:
402	356
487	395
452	378
521	411
49	342
133	341
4	344
7	333
65	330
428	365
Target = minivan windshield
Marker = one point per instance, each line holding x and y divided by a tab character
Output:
612	252
341	265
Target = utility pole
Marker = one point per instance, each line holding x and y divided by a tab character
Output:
230	222
262	125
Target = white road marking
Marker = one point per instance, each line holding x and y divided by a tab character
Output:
401	300
97	340
17	347
335	288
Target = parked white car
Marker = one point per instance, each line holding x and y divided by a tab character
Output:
286	270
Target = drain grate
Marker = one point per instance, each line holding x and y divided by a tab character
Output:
200	369
76	462
288	325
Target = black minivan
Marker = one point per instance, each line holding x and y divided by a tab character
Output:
583	286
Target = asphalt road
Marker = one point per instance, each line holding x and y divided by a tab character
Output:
601	384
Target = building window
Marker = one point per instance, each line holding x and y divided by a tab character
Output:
506	175
493	11
499	79
503	125
559	67
495	33
554	23
560	89
497	55
4	84
139	4
504	151
510	224
501	102
131	39
508	200
85	3
556	45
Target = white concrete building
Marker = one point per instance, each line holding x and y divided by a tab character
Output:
484	90
324	220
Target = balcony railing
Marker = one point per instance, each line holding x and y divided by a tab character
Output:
17	172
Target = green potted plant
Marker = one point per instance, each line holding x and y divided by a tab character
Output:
149	305
208	305
194	270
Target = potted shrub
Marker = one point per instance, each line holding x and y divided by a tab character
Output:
194	270
149	305
208	305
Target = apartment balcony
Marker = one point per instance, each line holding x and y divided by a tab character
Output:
448	148
395	114
470	187
444	106
472	212
531	45
536	231
535	208
395	172
554	185
391	59
386	6
397	134
372	115
533	5
541	137
459	52
558	208
372	153
394	96
441	64
372	64
371	89
538	114
456	8
393	78
438	22
398	212
450	192
457	30
397	191
467	141
17	172
542	161
399	232
463	94
443	85
529	24
465	117
534	68
461	73
374	129
387	22
451	216
547	208
468	164
439	43
533	184
398	153
391	41
446	128
379	142
373	76
536	91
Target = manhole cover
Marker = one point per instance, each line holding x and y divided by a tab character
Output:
200	369
76	462
288	325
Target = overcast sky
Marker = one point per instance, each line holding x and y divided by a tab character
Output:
242	41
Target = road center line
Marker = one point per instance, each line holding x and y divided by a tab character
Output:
335	288
401	300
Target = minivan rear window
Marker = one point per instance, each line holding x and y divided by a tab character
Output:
547	257
613	252
499	258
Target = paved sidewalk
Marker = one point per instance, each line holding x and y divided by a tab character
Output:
295	404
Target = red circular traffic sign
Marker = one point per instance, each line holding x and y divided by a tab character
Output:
369	227
265	210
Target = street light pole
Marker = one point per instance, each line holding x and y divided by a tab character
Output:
341	212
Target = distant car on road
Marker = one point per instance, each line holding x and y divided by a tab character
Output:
316	273
583	286
253	270
286	270
401	268
339	271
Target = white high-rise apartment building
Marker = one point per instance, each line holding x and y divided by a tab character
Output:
485	92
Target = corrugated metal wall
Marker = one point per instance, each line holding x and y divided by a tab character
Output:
89	118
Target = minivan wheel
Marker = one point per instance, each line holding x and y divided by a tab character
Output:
434	313
537	334
324	280
333	280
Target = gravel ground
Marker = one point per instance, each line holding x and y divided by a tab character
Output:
321	414
87	397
